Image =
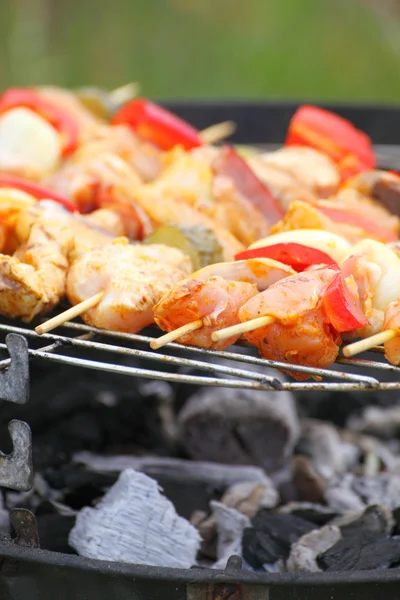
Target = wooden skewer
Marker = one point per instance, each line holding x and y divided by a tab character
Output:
219	131
124	93
369	342
69	314
177	333
240	328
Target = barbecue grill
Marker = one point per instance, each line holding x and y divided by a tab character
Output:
28	572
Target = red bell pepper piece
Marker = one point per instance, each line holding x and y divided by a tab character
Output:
230	164
350	148
65	124
341	308
297	256
357	220
157	125
35	190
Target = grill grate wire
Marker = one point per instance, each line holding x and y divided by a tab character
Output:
57	348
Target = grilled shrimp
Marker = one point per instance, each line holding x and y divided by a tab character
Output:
215	294
302	333
133	277
216	301
32	281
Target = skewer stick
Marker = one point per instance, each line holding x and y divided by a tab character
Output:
124	93
177	333
69	314
369	342
240	328
219	131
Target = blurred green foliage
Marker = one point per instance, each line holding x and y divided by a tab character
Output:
306	49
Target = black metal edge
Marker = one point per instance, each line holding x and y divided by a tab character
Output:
36	557
267	121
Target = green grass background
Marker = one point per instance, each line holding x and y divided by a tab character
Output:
304	49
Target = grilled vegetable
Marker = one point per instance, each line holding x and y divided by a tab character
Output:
343	310
348	147
157	125
334	245
197	242
297	256
66	125
28	144
35	190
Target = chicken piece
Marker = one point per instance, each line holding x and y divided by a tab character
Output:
133	277
284	186
12	202
104	181
144	158
33	280
314	170
215	294
188	175
376	270
302	333
86	234
335	218
107	220
392	321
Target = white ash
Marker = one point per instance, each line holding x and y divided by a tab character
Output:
382	422
322	443
340	497
356	493
304	552
135	523
230	526
382	489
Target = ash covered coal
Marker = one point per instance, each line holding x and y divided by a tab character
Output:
237	472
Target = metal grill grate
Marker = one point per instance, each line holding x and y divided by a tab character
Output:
176	359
